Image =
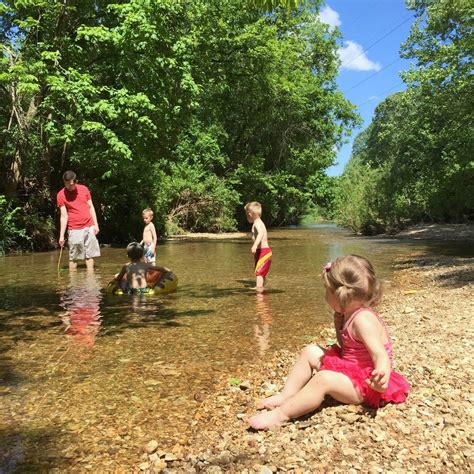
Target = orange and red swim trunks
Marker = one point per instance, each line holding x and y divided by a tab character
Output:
263	260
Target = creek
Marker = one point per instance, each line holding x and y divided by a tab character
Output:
87	379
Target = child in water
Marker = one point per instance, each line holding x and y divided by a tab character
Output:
357	370
136	271
149	238
260	248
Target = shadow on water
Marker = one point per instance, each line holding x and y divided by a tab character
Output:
24	311
19	451
81	308
206	292
141	313
80	300
247	283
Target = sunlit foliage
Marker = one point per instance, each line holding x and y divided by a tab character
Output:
191	108
415	160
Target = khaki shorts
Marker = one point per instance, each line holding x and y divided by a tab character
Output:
83	244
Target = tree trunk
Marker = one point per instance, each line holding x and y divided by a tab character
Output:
14	175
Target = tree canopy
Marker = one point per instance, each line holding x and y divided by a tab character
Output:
415	160
191	108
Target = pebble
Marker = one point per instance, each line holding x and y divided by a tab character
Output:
151	447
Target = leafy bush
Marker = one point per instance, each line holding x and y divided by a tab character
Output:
9	230
189	199
40	232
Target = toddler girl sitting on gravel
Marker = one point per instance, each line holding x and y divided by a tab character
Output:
356	371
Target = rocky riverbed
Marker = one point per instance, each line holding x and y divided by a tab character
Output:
429	307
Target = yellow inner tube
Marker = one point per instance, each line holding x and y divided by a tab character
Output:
158	285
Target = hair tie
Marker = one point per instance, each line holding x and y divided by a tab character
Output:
327	267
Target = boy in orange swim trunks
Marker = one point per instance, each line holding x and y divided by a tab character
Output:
260	248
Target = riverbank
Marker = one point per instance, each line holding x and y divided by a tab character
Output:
443	232
208	235
428	307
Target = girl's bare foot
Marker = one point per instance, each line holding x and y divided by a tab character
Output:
271	402
268	419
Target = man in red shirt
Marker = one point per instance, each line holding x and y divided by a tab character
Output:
79	217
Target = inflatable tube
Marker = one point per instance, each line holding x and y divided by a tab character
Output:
158	282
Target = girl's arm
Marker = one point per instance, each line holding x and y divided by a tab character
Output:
338	323
367	329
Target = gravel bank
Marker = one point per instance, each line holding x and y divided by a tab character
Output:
444	232
429	307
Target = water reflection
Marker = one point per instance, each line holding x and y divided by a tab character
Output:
81	301
262	328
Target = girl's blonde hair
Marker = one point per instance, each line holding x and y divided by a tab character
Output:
352	277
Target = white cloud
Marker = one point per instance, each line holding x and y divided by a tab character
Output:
352	57
329	16
373	97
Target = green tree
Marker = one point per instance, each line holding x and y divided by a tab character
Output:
162	103
441	82
269	92
270	5
418	149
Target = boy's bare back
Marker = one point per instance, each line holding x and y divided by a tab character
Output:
136	274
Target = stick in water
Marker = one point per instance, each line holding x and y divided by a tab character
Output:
60	255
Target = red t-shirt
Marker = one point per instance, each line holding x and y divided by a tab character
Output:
78	211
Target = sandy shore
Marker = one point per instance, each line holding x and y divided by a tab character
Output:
208	235
451	232
429	307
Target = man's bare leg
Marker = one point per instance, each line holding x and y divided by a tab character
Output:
72	265
90	264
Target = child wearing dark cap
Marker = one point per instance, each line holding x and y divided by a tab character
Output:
136	271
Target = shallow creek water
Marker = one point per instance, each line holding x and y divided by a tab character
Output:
86	379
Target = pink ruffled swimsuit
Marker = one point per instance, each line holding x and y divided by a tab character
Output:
354	361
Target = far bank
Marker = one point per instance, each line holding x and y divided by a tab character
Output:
446	232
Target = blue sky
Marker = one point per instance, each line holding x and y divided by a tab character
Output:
372	32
